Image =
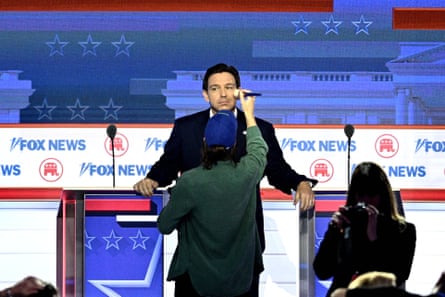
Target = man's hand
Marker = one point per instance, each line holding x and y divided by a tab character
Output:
248	105
146	186
305	195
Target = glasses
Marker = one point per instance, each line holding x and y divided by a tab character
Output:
217	89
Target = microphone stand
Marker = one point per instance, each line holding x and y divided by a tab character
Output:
111	132
112	154
349	131
349	161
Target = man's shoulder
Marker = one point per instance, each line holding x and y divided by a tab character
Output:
265	127
259	121
192	121
262	122
193	118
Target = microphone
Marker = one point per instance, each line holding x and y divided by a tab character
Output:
246	94
349	131
111	132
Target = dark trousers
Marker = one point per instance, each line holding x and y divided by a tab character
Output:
184	288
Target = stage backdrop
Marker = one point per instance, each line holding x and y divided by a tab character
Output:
81	155
67	70
316	62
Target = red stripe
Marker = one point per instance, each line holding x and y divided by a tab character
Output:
418	18
30	193
41	194
328	205
423	195
408	195
117	205
171	5
274	195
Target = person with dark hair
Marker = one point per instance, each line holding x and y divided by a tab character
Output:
213	209
367	234
30	286
182	152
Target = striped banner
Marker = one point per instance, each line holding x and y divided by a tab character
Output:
172	5
418	18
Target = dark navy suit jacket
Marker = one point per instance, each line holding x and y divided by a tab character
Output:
183	152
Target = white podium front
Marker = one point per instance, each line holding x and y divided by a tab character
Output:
109	244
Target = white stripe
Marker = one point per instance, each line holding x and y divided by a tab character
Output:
136	218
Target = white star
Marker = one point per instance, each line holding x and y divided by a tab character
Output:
110	110
301	25
103	285
77	110
88	240
112	240
331	25
318	239
45	110
139	240
362	26
56	46
122	46
89	46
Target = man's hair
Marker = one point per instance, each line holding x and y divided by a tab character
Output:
219	68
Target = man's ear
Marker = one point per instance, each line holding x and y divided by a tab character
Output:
205	95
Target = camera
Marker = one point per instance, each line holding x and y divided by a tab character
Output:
357	214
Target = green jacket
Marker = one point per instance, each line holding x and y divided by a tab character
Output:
214	213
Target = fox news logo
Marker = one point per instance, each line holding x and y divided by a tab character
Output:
91	169
154	143
430	146
10	170
314	146
22	144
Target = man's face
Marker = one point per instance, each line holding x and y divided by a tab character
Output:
220	93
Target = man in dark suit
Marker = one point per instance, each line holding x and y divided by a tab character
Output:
182	151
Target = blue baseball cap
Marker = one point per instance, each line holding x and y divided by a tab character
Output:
221	129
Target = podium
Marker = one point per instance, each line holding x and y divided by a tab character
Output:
108	243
